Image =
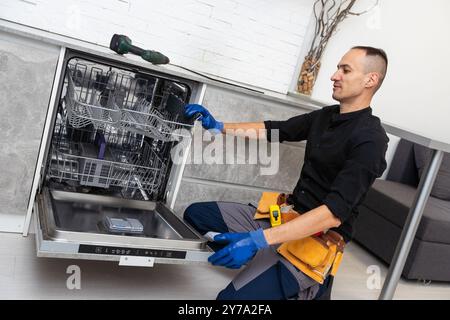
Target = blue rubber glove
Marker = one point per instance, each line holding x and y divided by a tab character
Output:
242	247
208	121
230	237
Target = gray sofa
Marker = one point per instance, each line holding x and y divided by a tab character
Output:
384	212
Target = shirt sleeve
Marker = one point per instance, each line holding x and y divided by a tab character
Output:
293	129
365	163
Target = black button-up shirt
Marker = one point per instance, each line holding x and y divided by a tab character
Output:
344	155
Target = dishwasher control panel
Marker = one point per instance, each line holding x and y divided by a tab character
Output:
126	251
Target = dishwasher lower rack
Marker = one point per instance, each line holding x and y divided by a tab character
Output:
79	161
105	97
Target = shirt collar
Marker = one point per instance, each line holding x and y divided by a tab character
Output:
338	117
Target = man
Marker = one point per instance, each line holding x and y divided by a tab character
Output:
345	153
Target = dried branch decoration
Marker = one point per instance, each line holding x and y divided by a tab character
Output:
328	14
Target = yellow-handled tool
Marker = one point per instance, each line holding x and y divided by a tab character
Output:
275	215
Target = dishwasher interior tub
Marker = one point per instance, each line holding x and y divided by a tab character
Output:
108	175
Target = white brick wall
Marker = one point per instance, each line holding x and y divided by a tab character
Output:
251	41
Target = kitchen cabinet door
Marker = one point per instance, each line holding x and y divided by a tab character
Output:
27	69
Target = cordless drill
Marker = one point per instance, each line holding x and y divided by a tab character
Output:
122	44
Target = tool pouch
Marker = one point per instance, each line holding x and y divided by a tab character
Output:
269	198
315	256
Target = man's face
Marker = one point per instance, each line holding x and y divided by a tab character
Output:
349	81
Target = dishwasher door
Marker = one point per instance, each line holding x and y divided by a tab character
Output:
78	226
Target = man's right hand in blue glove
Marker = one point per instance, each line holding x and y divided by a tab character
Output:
241	248
208	121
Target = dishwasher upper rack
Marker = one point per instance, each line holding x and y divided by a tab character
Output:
72	159
115	98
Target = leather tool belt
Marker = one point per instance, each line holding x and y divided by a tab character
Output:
316	256
269	198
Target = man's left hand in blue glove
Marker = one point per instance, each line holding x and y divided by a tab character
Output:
208	121
242	247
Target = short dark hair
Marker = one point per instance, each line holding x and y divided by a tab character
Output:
376	52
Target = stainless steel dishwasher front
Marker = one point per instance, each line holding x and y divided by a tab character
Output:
107	179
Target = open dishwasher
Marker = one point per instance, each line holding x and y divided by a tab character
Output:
107	175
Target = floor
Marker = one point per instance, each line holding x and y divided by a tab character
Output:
24	276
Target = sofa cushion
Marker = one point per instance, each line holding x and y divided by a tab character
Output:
441	187
392	200
403	166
